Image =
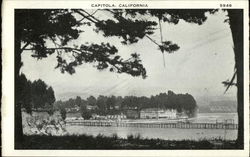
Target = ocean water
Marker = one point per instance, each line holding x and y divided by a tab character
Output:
162	133
166	133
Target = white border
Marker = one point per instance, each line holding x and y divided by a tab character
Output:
8	78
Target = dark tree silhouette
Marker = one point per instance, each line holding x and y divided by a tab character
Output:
35	94
25	97
91	100
101	104
236	25
33	28
42	94
86	114
78	101
63	113
111	101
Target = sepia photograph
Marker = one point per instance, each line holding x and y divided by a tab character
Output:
112	77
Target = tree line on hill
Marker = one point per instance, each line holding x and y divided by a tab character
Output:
38	95
103	105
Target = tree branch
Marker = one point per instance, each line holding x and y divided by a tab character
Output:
152	40
23	48
87	17
228	84
62	48
90	15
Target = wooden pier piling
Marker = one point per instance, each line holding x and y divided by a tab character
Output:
179	125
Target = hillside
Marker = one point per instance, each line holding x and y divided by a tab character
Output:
220	106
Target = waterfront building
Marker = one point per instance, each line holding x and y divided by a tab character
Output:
73	116
132	114
150	113
117	116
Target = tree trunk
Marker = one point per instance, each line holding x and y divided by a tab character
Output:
18	113
236	25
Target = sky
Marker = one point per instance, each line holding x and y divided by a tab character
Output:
204	60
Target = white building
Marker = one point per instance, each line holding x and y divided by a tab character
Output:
117	117
150	113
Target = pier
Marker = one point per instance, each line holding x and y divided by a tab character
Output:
179	125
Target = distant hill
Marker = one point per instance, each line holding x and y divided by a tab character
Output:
68	95
206	100
220	106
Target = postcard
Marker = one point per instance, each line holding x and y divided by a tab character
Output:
125	78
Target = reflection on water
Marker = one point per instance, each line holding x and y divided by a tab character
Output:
166	133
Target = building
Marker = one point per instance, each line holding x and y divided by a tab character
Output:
90	107
132	114
98	117
150	113
182	115
73	109
70	116
117	117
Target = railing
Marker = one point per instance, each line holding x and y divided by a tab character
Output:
179	125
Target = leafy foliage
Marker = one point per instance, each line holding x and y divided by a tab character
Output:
63	113
173	16
86	114
23	87
42	94
134	142
130	30
105	56
91	100
35	28
35	94
101	103
168	46
60	26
